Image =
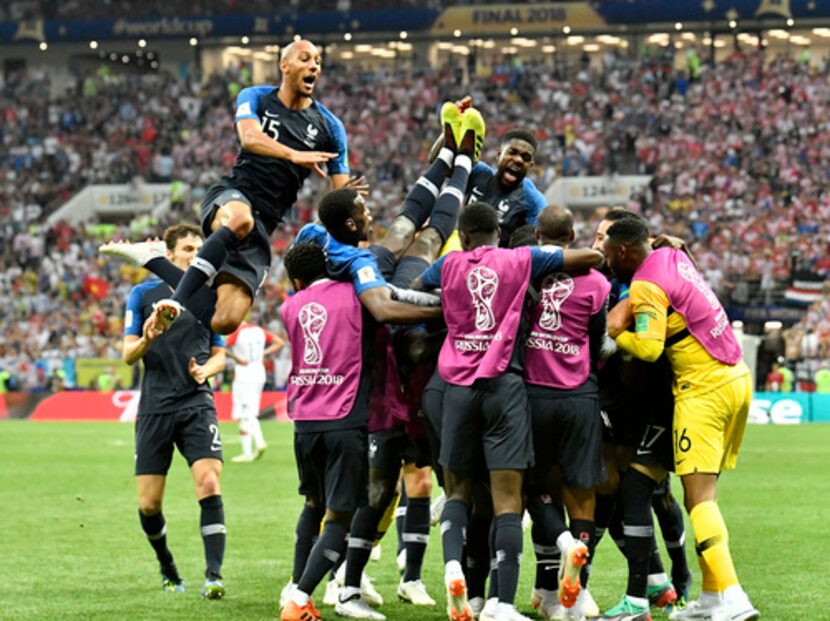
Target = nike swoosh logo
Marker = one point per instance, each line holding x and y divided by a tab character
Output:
271	114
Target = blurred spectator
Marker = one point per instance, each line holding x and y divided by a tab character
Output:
823	379
787	377
774	379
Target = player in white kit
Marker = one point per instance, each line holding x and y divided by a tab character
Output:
248	346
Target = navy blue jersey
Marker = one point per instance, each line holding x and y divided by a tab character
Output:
344	262
518	207
167	385
271	184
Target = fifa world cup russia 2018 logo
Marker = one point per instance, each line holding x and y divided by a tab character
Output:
556	288
312	321
482	283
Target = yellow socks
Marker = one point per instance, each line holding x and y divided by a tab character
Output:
712	546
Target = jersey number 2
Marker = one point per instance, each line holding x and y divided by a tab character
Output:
216	441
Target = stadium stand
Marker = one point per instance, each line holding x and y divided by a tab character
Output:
742	182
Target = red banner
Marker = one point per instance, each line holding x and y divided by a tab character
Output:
16	404
96	287
122	405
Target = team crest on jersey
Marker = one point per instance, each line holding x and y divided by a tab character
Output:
310	139
503	207
313	317
556	288
482	283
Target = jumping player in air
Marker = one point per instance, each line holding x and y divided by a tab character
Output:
284	135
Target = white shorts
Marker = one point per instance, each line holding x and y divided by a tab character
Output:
246	399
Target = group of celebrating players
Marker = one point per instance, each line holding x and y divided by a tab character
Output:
470	341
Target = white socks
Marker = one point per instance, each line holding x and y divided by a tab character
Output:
564	541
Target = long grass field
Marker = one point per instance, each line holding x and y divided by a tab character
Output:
72	547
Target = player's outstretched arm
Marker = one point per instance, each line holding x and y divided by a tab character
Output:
378	301
579	259
346	180
253	139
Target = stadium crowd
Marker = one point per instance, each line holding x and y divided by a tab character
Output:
96	9
739	159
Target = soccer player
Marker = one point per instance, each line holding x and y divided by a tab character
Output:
176	408
485	405
248	346
633	434
339	230
285	135
516	198
399	257
712	389
564	344
328	398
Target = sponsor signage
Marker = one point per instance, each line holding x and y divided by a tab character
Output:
789	408
600	191
87	371
121	199
122	405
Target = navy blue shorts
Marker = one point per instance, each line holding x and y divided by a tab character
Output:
489	418
567	432
194	431
333	467
250	260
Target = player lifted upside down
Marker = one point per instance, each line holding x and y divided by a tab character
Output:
284	135
176	407
516	198
399	257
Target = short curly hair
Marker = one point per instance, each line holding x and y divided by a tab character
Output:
305	262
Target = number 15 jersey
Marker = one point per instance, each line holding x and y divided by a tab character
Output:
272	183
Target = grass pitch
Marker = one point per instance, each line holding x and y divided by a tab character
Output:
72	547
